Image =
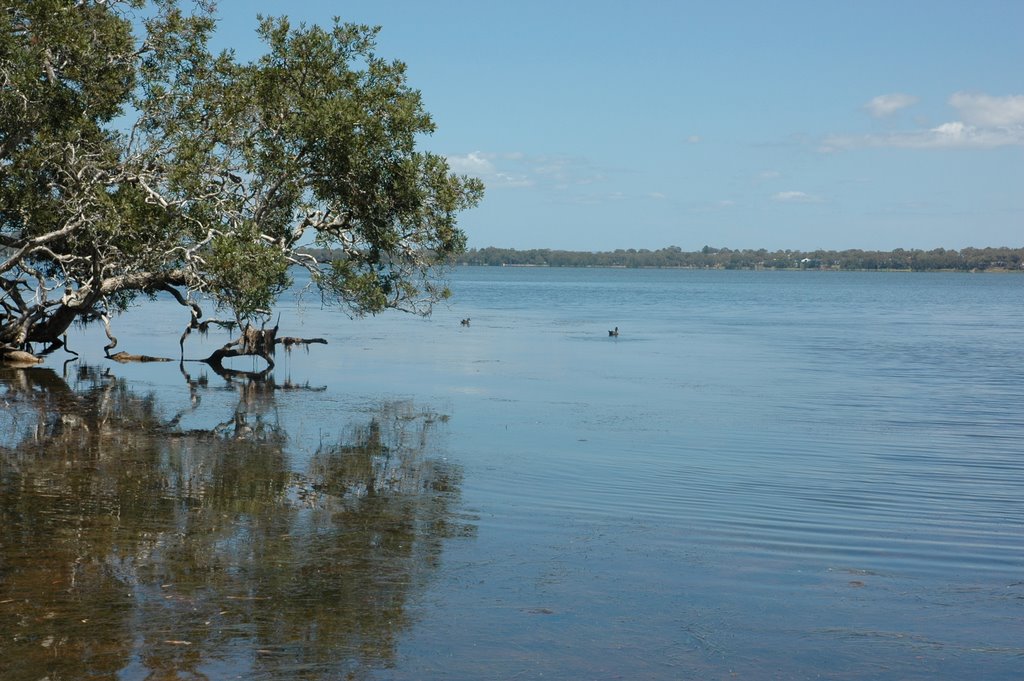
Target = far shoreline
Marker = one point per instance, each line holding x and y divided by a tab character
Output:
748	269
972	260
989	259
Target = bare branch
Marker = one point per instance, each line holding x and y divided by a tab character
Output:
27	246
106	328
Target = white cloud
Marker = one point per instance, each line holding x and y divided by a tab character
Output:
693	139
989	111
952	135
482	165
516	169
886	105
985	122
795	197
473	163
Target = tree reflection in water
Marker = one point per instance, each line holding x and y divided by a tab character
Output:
132	547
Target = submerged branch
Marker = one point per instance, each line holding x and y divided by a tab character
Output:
257	342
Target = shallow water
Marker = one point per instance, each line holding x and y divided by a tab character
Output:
767	475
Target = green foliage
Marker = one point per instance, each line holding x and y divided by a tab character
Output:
368	287
967	259
133	159
246	275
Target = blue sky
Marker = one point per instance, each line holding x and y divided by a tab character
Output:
599	125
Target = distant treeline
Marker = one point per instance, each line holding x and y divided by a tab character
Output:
967	259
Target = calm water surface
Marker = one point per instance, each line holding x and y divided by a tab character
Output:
767	475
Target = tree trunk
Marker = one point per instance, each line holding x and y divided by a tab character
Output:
256	343
253	342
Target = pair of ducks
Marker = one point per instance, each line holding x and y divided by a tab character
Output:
614	332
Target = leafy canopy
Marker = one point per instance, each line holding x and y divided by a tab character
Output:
133	160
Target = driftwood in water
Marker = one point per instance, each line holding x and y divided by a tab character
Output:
10	357
289	341
124	357
256	342
18	358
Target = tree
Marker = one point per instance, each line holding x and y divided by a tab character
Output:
133	161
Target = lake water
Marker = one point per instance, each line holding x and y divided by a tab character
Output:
766	475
